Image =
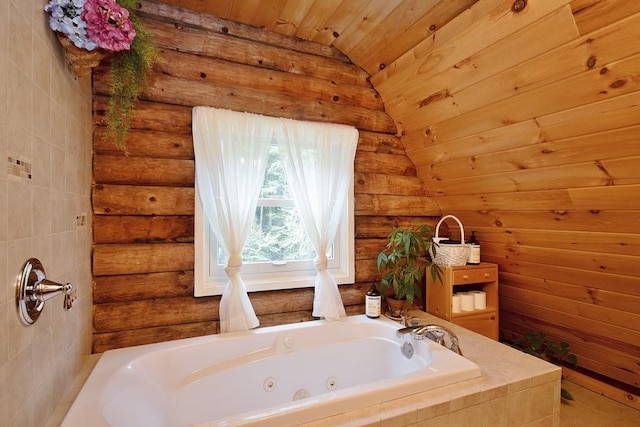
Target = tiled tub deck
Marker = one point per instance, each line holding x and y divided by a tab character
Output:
515	389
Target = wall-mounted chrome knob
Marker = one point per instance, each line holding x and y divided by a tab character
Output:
33	289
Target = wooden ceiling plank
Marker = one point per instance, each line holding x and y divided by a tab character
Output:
197	5
377	56
592	221
267	13
616	197
436	54
393	25
623	170
610	113
292	16
621	77
364	24
610	44
583	240
243	11
593	14
316	19
497	71
610	146
444	149
343	15
589	174
603	116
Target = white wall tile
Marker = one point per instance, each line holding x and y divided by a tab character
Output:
45	118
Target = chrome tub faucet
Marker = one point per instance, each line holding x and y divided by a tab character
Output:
436	333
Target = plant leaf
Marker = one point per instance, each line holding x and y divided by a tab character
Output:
565	394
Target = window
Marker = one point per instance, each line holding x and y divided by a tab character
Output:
278	253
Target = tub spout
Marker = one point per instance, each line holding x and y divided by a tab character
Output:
436	333
407	330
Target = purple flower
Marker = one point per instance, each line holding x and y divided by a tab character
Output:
92	23
65	18
108	25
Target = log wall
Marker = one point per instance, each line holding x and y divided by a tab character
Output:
525	125
143	253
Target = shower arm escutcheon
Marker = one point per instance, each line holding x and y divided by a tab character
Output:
33	289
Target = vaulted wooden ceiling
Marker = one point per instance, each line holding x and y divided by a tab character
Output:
372	33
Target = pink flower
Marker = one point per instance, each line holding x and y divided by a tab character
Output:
108	25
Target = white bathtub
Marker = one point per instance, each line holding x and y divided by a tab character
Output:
281	375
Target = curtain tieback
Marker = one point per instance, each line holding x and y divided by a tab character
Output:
233	265
321	262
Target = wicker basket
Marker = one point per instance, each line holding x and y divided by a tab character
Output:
451	255
80	61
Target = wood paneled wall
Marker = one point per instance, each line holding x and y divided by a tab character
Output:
143	253
526	125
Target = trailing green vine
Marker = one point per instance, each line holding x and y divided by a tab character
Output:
129	70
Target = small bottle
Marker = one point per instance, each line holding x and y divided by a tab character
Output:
474	254
373	302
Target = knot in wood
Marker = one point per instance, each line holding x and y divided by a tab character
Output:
381	66
336	34
518	6
432	27
618	83
591	61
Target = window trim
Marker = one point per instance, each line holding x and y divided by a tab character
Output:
207	284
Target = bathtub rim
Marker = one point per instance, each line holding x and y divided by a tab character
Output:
113	359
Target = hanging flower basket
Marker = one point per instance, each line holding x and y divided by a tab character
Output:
90	30
80	61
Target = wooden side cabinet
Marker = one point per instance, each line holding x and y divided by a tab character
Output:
466	278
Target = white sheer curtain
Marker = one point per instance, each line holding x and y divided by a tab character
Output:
318	163
231	151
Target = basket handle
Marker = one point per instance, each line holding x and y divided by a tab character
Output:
437	238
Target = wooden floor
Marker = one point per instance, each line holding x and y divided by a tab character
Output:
590	409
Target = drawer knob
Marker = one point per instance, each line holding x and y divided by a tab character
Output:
465	277
487	275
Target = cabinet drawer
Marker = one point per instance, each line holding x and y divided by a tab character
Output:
485	324
478	275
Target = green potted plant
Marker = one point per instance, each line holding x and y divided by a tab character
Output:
403	263
538	345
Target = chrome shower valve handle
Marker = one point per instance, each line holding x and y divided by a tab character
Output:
33	289
70	295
